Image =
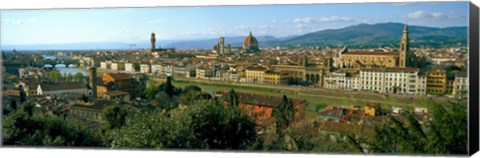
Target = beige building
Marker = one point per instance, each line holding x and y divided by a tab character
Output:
460	86
204	72
118	66
145	68
129	67
306	72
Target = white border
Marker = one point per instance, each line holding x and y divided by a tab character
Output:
82	153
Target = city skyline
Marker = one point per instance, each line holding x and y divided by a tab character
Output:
131	25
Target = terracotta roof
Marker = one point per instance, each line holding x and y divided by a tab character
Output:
62	86
371	53
119	76
256	68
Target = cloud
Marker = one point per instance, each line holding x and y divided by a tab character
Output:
155	21
19	21
423	15
336	19
309	20
306	20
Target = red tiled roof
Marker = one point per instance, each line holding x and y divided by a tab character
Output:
119	76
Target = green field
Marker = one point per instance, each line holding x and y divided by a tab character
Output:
317	101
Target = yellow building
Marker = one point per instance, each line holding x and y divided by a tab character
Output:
304	71
436	82
358	59
255	74
365	59
276	77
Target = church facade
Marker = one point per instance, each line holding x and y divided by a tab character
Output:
366	59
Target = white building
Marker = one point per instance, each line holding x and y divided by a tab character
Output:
421	85
460	86
105	65
389	80
129	67
338	80
145	68
118	66
157	69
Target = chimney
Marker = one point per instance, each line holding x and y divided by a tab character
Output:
92	79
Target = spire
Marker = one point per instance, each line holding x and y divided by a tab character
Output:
405	29
250	33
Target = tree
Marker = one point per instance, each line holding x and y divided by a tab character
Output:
284	114
85	98
169	89
115	116
204	126
221	127
446	133
69	77
232	98
21	128
55	75
78	77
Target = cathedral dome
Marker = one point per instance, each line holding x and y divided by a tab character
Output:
250	41
250	44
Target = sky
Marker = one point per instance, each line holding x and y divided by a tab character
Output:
131	25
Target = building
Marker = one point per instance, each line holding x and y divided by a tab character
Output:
145	68
157	69
276	77
389	80
305	72
436	82
133	84
105	65
422	85
184	70
204	72
250	44
255	74
365	59
61	88
89	112
116	95
460	86
339	80
129	67
118	66
153	47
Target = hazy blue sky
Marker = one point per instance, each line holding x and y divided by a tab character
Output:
130	25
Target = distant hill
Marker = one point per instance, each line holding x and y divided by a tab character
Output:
382	34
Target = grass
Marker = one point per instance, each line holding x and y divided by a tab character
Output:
320	101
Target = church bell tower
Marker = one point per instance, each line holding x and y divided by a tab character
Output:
152	41
404	60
